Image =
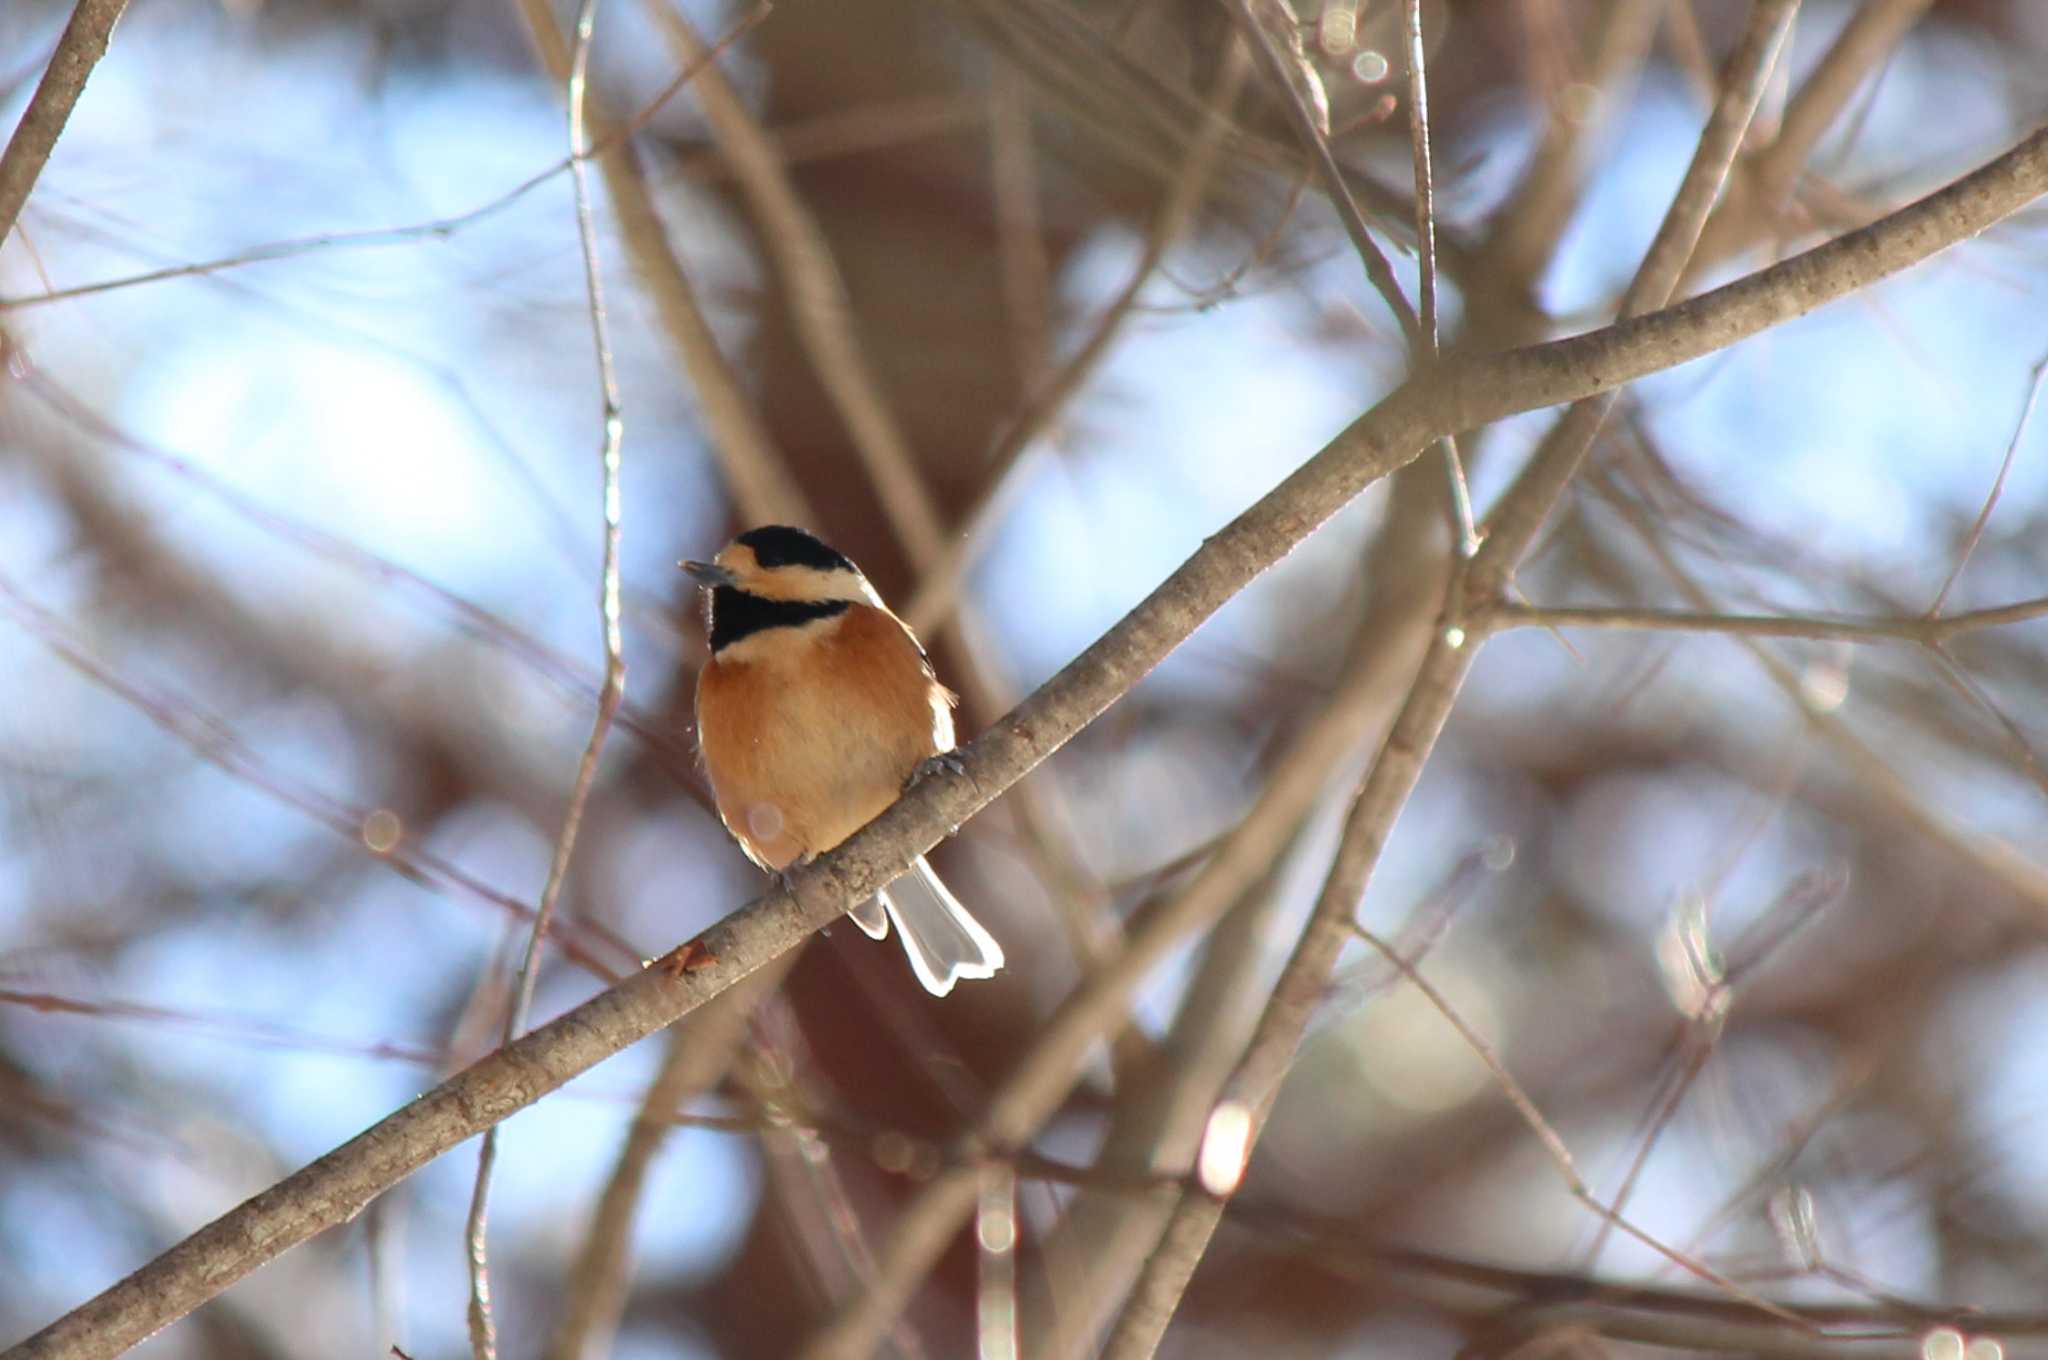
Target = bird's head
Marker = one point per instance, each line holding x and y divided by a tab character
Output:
776	562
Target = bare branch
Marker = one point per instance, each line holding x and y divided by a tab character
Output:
1998	860
1918	628
2012	448
611	424
939	582
1462	528
1045	1075
1270	27
79	49
1757	198
818	301
435	229
1463	392
755	471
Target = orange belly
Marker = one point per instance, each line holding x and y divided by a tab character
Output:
809	732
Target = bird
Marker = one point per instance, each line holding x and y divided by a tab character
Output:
816	709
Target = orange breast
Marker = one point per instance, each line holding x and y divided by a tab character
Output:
809	732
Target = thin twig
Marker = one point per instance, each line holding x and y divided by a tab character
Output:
1462	530
1024	270
255	1031
2012	448
1260	21
939	583
819	306
1553	1143
1995	858
482	1332
1696	1046
1914	628
1546	1133
738	434
1714	986
1945	666
1465	391
215	741
438	228
1425	174
1683	1319
79	49
1758	197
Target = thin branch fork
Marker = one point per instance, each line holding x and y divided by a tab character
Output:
1462	393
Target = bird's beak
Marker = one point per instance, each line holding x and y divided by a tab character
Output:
710	574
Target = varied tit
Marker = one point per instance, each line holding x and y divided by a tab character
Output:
815	710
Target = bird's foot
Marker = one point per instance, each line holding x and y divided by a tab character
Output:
784	879
950	761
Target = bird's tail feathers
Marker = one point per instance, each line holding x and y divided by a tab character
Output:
944	941
868	916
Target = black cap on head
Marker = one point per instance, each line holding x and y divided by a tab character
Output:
778	545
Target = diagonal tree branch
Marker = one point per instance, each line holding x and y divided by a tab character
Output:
1458	395
79	49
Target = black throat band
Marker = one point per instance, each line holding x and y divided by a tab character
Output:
735	614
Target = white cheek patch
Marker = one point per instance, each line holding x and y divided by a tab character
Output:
764	823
